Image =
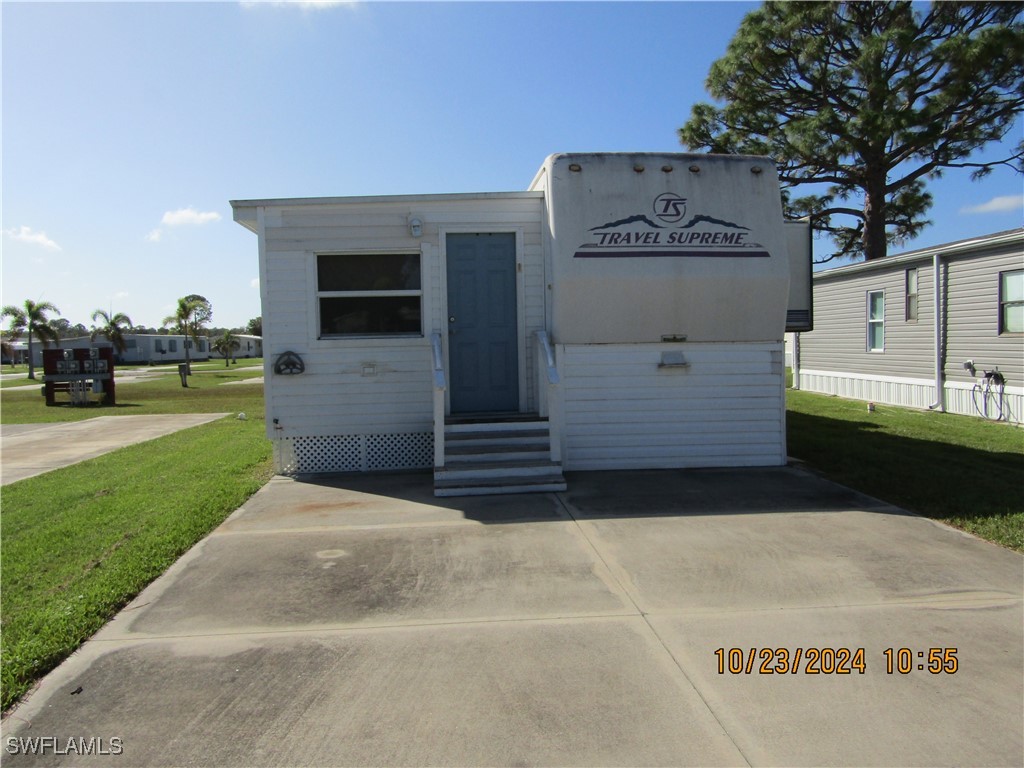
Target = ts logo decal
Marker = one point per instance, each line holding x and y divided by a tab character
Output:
669	207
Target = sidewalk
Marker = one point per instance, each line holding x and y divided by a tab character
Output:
27	450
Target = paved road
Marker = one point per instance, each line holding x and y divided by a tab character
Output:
361	621
27	450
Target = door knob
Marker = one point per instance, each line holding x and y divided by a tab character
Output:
451	319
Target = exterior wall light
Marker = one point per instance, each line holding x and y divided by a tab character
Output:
415	227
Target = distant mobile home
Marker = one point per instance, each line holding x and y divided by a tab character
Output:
141	348
626	311
249	346
878	336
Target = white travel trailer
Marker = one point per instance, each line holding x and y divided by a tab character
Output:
626	311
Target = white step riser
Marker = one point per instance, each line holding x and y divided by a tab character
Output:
470	442
494	458
510	426
480	457
497	490
483	474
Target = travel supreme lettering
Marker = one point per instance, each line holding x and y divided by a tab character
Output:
674	238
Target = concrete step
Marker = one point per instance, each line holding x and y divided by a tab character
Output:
539	484
508	455
488	453
484	471
496	426
527	436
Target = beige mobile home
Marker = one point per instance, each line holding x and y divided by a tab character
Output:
626	311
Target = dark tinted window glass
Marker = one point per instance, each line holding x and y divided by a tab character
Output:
368	272
369	315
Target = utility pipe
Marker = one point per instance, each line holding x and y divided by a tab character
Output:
940	385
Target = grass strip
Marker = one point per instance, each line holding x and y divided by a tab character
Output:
163	394
960	470
80	542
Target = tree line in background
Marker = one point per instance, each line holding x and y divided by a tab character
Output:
191	319
863	102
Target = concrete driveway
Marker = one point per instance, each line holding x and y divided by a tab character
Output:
361	621
27	450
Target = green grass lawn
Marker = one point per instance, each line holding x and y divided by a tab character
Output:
80	542
958	469
250	364
162	394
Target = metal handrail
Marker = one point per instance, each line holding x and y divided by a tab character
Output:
435	343
439	387
549	399
549	356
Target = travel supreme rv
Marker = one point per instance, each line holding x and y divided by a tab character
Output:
627	311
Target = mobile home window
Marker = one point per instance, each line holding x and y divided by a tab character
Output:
172	345
912	294
876	321
369	294
1011	302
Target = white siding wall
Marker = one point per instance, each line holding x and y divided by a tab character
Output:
352	388
967	399
622	411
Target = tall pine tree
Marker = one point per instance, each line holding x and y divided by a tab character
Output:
870	99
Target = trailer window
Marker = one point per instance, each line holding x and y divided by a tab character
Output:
876	321
911	295
1011	302
369	294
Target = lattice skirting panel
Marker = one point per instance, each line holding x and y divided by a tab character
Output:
353	453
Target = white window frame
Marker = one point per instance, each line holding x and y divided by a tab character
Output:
911	310
1003	303
369	294
874	322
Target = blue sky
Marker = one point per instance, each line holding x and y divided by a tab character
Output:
127	127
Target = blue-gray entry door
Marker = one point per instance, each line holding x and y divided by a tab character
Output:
483	345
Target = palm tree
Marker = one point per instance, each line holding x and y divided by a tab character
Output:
31	318
192	311
113	327
225	345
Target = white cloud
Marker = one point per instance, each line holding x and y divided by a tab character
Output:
188	216
182	217
26	235
254	283
1003	204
